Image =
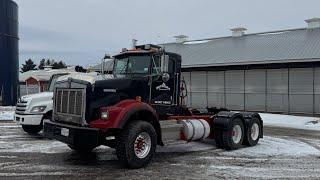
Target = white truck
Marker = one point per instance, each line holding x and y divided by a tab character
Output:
32	109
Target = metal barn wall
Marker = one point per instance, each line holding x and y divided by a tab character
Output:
9	59
255	90
317	90
289	91
234	88
301	90
216	89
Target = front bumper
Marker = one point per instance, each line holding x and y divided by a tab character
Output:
27	119
72	135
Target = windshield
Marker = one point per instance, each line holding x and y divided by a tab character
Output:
132	66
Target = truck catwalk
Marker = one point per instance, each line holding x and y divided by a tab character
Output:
283	153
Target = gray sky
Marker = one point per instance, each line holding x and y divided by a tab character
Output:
79	32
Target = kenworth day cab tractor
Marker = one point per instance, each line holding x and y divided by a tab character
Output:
139	107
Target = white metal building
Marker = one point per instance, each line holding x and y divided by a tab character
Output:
275	71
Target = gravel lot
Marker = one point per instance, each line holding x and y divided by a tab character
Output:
283	153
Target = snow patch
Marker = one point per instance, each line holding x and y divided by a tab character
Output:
34	146
7	113
288	121
270	146
180	147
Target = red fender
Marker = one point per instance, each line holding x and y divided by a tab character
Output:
120	113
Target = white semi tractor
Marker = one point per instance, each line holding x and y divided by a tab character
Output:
32	109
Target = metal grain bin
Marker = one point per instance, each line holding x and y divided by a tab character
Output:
9	50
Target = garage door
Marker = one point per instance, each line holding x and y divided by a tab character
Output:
301	90
255	88
234	90
277	90
317	90
198	90
216	89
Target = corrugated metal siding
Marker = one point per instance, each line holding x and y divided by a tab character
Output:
317	90
299	44
234	90
301	90
255	90
216	89
264	90
198	89
277	90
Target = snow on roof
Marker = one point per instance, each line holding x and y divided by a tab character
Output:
42	75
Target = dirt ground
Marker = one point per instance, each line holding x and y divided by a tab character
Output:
283	153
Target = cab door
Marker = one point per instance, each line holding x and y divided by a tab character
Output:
162	93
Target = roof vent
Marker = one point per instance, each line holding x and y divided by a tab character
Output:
134	43
181	38
313	23
238	31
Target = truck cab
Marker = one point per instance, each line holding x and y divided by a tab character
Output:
32	109
136	108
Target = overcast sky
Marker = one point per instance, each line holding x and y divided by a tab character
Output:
79	32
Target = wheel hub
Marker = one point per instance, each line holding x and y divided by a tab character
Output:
255	131
142	145
236	134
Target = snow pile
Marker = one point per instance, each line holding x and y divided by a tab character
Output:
295	122
270	146
7	113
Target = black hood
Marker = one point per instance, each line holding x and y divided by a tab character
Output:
111	91
123	86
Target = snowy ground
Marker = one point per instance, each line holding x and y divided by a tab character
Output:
276	156
288	121
290	149
6	113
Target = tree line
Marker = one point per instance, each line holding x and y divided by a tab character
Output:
31	65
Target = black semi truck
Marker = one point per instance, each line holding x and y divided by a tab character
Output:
140	106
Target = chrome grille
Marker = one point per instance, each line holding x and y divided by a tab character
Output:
69	105
21	107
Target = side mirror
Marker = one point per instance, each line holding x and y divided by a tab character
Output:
164	63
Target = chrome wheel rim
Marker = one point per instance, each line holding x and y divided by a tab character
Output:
236	134
142	145
255	131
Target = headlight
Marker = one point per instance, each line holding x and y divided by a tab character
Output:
38	109
104	115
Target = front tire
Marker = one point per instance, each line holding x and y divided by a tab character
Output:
136	144
32	129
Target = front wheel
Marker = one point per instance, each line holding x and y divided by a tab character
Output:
137	144
32	129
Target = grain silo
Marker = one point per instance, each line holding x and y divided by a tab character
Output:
9	50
